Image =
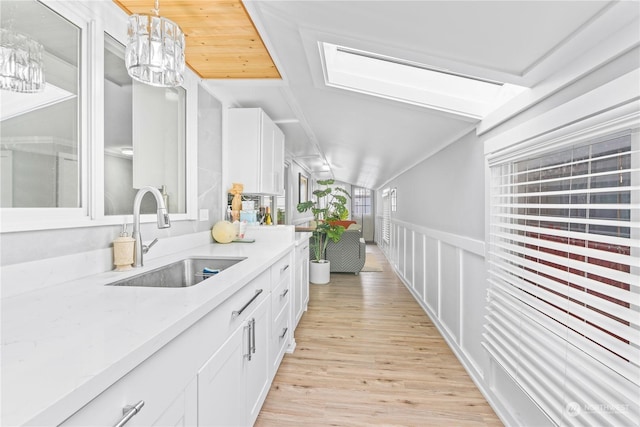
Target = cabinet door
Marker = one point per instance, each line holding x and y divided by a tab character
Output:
267	177
183	412
302	283
221	384
257	369
278	160
243	156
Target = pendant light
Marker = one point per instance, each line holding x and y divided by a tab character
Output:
155	49
21	63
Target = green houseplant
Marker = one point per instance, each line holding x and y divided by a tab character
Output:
329	204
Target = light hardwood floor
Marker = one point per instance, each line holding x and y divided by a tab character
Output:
367	354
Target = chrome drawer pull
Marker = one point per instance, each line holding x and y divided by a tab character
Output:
244	307
248	354
129	412
284	294
284	332
253	336
283	269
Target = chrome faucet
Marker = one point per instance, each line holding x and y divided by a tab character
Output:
163	221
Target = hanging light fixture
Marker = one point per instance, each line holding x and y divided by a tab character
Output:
21	63
155	50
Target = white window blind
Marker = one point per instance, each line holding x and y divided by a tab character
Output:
564	269
386	215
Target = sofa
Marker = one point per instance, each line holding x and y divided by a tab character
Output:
347	255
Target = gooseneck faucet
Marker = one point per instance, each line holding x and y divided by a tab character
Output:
163	221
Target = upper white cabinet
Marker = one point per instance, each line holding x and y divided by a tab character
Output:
255	152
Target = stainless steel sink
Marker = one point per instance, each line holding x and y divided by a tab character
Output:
180	274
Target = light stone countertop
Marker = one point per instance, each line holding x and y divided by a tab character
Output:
64	344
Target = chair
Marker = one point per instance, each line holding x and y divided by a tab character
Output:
347	255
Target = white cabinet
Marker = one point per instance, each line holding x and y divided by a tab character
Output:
278	159
165	383
234	382
255	152
221	385
301	288
217	372
281	332
257	372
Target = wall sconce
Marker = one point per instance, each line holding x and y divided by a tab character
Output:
155	49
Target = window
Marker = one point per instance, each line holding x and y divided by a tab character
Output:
564	276
63	151
41	133
361	201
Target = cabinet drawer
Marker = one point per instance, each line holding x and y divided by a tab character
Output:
281	269
163	399
280	337
217	326
280	298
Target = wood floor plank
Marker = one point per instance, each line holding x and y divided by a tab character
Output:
368	355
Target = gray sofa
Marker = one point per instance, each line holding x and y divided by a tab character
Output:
349	254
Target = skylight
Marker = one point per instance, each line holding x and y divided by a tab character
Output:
413	83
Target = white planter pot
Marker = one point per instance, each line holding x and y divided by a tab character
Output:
319	272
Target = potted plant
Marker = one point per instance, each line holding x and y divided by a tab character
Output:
329	204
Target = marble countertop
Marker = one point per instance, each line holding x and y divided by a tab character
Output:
64	344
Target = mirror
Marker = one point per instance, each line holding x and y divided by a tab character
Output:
39	132
144	138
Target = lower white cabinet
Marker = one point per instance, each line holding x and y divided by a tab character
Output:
216	373
233	384
281	294
301	288
164	383
183	411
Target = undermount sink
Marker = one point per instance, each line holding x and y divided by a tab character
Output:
180	274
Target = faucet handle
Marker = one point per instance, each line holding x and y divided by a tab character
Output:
145	248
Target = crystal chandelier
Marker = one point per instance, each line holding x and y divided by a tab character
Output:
21	64
155	50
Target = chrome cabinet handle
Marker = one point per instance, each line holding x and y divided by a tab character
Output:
253	336
284	332
283	269
248	354
244	307
128	412
284	294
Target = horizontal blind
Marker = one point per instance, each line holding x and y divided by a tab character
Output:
564	270
386	215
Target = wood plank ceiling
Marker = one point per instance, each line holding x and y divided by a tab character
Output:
222	41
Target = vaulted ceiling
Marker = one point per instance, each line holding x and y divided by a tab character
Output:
365	140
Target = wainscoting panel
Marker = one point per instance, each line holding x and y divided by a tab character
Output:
432	274
401	258
419	263
450	289
473	296
409	271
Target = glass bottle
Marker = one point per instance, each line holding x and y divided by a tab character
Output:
267	216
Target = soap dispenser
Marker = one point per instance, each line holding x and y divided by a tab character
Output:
123	248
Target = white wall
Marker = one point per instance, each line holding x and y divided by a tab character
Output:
437	243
